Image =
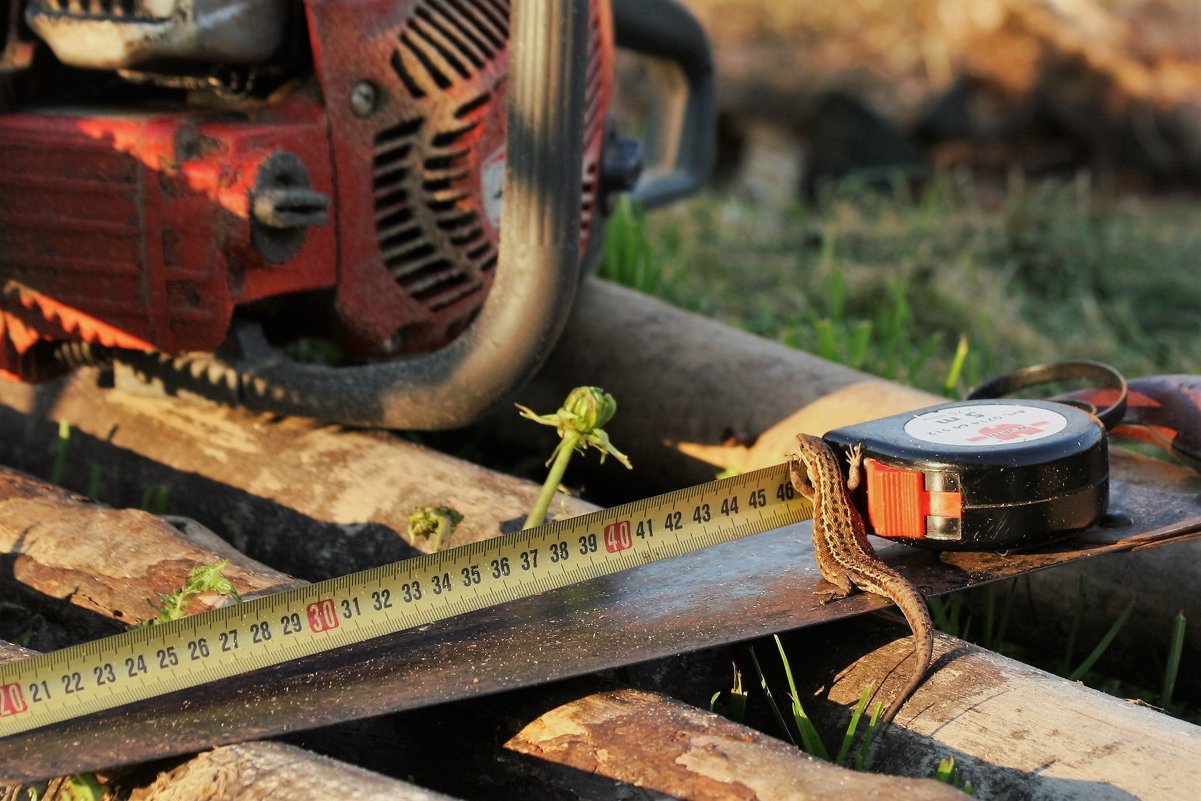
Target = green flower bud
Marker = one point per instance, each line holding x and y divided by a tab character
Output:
591	408
434	523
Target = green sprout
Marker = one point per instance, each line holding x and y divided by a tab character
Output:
205	578
82	787
948	773
59	468
578	424
735	707
433	523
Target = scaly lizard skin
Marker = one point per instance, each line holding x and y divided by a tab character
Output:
844	555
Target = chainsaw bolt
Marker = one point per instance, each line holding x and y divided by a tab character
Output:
392	345
363	98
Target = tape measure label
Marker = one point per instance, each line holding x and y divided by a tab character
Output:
271	630
984	425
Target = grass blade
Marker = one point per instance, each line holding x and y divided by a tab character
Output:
950	387
848	737
872	725
59	469
1074	630
1003	624
811	741
95	481
771	700
1172	668
1092	658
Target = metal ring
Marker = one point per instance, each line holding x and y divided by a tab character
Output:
1097	373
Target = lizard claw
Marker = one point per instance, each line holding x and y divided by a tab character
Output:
855	465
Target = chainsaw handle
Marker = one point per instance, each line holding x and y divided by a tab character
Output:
680	142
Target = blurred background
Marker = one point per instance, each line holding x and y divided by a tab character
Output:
937	191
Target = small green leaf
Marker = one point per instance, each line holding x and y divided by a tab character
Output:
82	787
202	579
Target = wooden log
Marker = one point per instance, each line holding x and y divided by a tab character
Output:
310	499
653	742
109	562
695	396
1014	731
254	771
64	549
650	356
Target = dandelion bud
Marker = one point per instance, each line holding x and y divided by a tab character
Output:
591	407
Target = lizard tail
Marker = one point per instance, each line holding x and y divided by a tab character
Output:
918	616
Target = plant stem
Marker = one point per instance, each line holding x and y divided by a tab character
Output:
553	479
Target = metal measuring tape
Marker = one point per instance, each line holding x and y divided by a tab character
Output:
233	640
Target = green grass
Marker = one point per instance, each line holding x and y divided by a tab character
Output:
804	733
891	283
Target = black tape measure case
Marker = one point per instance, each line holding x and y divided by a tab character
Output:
981	475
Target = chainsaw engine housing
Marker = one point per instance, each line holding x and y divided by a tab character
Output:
135	229
336	171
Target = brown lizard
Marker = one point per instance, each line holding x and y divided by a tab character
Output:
844	555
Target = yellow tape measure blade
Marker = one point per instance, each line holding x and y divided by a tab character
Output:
321	617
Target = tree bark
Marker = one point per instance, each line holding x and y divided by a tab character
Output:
58	549
653	742
254	771
310	499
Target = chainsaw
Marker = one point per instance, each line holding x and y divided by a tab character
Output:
193	187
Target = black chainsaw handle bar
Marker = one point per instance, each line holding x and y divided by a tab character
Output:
680	141
536	277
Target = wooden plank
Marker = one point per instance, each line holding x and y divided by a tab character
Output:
669	747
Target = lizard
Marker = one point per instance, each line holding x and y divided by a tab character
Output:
845	556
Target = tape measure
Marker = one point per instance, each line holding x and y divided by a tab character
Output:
981	475
977	474
156	660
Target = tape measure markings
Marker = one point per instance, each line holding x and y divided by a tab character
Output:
315	618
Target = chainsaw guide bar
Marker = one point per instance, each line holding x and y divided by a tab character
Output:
271	630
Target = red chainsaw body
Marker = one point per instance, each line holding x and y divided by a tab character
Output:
134	225
132	230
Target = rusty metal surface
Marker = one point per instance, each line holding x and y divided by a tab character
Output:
724	594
